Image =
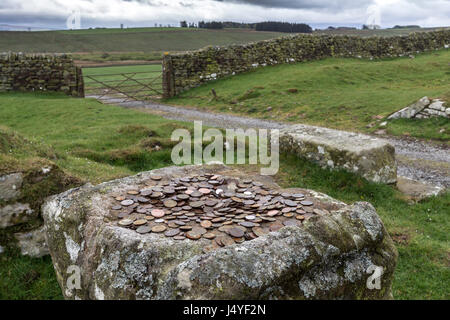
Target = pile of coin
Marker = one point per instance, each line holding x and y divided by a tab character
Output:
223	210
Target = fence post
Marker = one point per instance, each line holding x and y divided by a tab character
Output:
80	82
168	81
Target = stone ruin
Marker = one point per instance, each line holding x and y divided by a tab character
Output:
243	237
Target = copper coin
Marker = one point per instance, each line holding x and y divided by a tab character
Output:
206	224
172	232
143	229
139	222
196	204
133	192
247	224
170	203
227	241
288	214
179	237
193	235
126	222
157	213
236	233
275	226
120	198
155	177
300	217
182	196
185	228
272	213
209	235
159	228
199	230
204	190
258	231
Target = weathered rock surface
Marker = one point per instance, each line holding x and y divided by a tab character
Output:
327	257
424	108
16	213
372	158
10	186
412	110
417	190
32	243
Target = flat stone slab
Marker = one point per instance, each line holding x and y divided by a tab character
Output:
372	158
330	255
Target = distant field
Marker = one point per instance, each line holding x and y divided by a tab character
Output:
126	40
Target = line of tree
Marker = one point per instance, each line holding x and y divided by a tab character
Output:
283	27
210	25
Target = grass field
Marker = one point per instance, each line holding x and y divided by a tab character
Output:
338	93
97	142
145	40
96	80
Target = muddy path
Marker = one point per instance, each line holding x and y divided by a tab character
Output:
417	160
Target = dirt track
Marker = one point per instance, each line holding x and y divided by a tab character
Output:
417	159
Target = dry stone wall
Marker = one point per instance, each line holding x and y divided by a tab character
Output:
191	69
23	72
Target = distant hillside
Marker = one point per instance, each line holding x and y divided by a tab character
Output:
126	40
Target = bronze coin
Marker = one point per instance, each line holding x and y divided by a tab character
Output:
199	230
157	213
133	192
227	241
185	228
193	235
170	203
272	213
159	228
236	233
275	226
288	214
196	204
206	224
258	231
300	217
126	222
155	177
172	232
204	190
143	229
139	222
119	198
209	235
247	224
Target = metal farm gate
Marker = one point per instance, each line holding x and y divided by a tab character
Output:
123	87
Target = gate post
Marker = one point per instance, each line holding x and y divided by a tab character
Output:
168	81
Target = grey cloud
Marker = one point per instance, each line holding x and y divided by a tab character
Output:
303	4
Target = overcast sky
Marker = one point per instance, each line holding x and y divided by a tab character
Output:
317	13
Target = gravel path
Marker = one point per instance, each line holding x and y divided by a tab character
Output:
417	160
